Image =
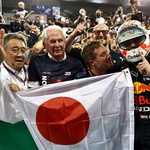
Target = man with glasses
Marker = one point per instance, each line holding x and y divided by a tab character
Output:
101	32
133	41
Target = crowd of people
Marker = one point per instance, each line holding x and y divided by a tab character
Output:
41	55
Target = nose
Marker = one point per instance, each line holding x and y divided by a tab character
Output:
132	44
56	43
101	34
108	55
20	53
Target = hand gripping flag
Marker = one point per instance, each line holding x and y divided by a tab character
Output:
95	113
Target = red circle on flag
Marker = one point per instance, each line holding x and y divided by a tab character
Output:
62	120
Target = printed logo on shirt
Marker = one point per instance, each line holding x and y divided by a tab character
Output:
67	73
44	80
140	87
46	73
141	100
144	116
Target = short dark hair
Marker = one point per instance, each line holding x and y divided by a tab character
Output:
10	36
87	52
16	16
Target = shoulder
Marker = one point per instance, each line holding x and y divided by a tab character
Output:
115	54
72	59
75	53
40	57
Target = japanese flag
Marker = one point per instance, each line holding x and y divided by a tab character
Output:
95	113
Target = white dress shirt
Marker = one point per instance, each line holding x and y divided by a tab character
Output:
8	110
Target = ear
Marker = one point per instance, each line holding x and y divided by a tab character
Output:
44	45
91	62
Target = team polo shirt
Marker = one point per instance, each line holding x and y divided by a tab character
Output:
45	70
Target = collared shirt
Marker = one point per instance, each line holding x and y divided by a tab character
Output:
53	59
13	76
8	110
43	70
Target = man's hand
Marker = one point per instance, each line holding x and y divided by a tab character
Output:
2	52
14	87
144	66
80	29
35	29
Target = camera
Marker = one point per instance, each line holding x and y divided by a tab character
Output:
80	15
87	18
119	12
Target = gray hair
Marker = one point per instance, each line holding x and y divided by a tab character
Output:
10	36
51	28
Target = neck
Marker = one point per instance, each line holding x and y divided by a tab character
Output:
6	65
94	72
134	10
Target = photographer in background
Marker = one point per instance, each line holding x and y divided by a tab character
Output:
81	18
136	14
99	18
118	18
21	10
59	19
16	25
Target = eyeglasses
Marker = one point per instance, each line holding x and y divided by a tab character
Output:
132	43
97	32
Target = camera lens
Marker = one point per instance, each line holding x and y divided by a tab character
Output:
119	12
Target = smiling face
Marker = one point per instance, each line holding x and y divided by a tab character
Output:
15	54
55	44
101	32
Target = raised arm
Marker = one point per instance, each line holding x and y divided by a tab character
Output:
2	52
79	30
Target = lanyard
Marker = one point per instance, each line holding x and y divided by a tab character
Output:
17	77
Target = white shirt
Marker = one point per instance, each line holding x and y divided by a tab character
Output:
53	59
8	110
100	20
22	13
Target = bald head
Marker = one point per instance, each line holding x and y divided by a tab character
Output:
101	26
101	32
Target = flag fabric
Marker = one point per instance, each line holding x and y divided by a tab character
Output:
95	113
16	137
14	134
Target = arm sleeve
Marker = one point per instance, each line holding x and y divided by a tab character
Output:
33	77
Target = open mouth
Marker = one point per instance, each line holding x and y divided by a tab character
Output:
19	61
